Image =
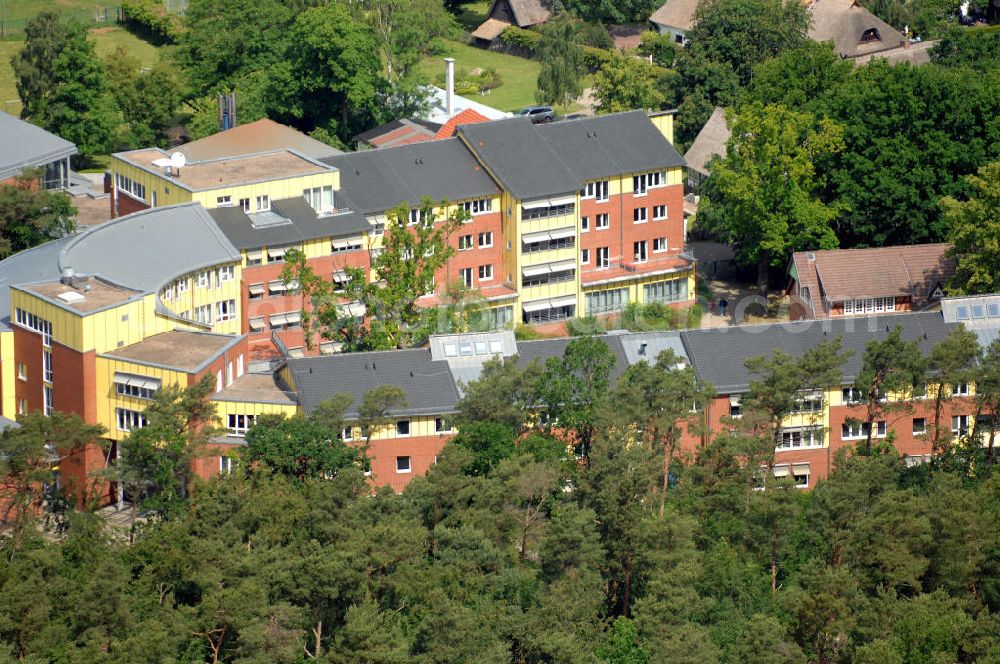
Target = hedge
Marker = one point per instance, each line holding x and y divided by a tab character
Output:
148	18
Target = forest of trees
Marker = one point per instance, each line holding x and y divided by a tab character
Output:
514	549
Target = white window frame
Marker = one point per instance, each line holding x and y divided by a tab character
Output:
486	272
585	256
603	258
664	245
640	251
466	275
598	218
409	464
639	185
224	201
640	215
409	428
488	236
660	212
225	310
263	203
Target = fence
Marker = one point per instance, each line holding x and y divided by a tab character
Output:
13	27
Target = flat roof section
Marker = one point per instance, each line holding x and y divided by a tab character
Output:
89	294
185	351
258	388
230	171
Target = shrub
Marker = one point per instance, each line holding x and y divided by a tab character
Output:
521	38
595	58
527	333
585	325
594	34
661	47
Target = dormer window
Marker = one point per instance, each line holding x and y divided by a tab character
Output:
320	199
870	35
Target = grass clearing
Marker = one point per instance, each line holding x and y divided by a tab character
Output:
519	76
472	14
106	40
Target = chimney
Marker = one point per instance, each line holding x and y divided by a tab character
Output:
449	85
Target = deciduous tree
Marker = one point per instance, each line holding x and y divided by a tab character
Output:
763	196
975	234
559	81
625	83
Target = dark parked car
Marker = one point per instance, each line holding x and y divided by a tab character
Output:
538	113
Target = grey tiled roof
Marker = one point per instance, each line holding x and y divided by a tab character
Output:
609	145
24	145
515	153
378	180
428	385
302	224
719	355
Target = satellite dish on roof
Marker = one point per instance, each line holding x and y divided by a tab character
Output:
178	160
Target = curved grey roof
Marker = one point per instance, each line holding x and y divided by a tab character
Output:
147	249
26	145
33	265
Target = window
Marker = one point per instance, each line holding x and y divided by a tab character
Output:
639	215
224	201
402	427
674	290
856	430
598	190
130	187
639	250
919	426
869	305
605	301
585	256
48	398
47	366
603	257
441	425
549	245
959	425
485	272
584	224
869	35
919	391
263	203
225	273
238	425
549	211
659	245
639	185
255	291
36	324
22	371
464	242
659	212
22	406
809	403
204	279
226	465
962	390
852	395
480	206
735	405
218	380
559	276
203	314
138	387
255	257
601	222
276	254
486	239
129	419
225	310
245	204
402	464
465	274
418	215
320	199
803	437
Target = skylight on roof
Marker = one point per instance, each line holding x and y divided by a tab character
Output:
962	312
267	219
993	309
978	311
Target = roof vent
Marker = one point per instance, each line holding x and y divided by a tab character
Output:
811	256
71	297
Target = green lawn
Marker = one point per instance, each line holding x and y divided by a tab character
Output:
106	40
519	76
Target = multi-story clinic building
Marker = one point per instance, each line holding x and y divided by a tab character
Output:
573	218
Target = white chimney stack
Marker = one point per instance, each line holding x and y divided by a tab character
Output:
449	84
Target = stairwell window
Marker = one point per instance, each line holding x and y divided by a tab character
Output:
48	398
